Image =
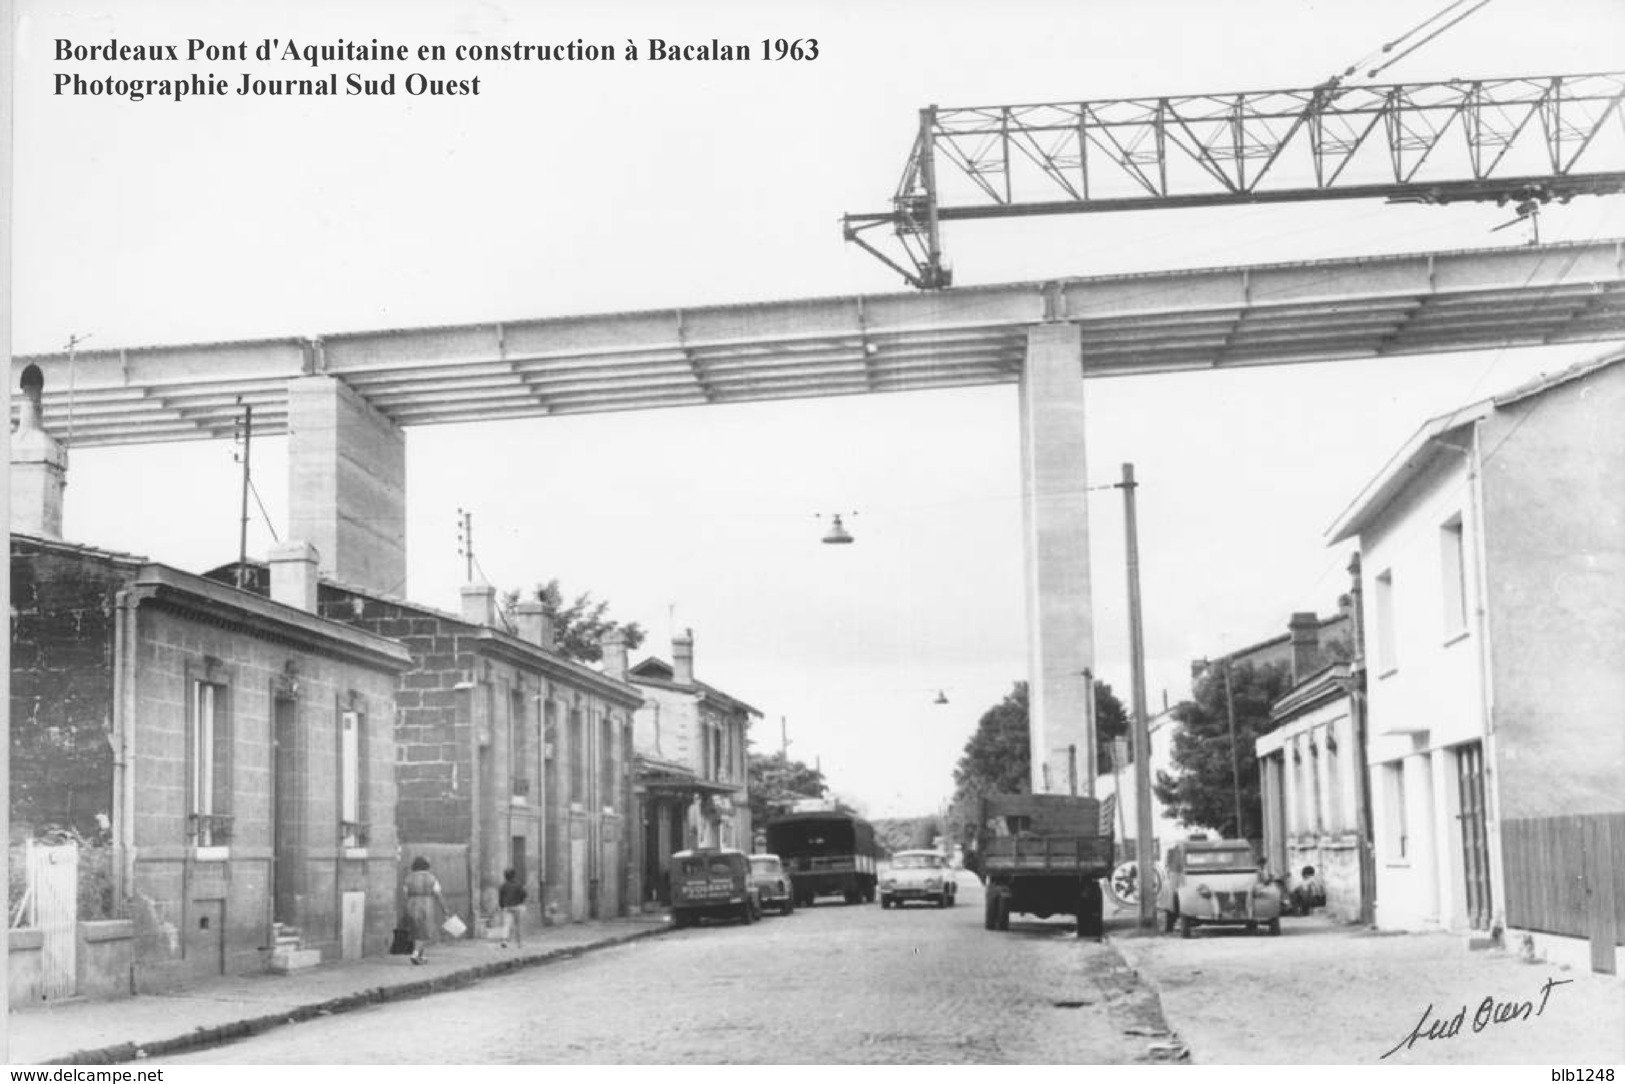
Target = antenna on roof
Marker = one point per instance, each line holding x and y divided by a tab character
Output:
73	349
245	433
465	542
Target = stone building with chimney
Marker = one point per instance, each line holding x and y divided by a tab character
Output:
208	772
690	739
509	755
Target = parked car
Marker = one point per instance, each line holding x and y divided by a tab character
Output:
918	875
709	882
774	887
1217	882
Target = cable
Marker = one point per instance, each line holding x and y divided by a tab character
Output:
1373	73
263	513
1388	47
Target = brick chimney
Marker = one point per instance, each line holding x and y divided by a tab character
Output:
535	625
479	604
293	575
1305	629
682	658
39	465
614	645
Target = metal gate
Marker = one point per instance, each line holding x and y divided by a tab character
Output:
53	909
1475	847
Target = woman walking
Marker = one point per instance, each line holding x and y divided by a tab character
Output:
422	898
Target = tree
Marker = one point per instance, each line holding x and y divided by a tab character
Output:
1111	722
775	781
1203	788
578	627
998	757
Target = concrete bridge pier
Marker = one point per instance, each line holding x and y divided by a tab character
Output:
1055	534
347	484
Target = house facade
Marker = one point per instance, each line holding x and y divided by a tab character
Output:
511	756
223	762
690	739
1312	779
1493	562
215	768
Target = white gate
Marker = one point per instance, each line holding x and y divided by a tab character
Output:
53	909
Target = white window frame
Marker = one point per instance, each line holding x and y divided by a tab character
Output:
351	721
1453	576
1387	650
208	729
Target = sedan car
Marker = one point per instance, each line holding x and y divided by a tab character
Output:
774	887
1217	883
918	875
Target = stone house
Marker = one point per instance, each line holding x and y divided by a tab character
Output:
510	756
690	739
1493	563
218	764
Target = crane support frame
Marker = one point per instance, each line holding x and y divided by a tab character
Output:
1525	140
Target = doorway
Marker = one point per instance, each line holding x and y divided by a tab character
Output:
285	827
1475	847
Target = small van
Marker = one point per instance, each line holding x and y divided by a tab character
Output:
709	882
1217	883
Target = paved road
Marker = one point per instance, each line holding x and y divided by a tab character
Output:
828	984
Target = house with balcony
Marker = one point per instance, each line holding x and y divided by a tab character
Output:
1493	562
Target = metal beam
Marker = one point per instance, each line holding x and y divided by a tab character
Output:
1523	140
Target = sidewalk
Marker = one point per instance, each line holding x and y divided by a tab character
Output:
1324	993
233	1007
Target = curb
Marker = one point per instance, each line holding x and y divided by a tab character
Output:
221	1034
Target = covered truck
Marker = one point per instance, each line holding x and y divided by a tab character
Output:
1043	855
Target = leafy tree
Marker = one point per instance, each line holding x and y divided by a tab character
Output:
998	757
1111	722
580	625
775	782
1203	788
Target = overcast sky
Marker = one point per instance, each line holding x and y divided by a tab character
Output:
589	187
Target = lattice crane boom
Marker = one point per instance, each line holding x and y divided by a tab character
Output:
1526	140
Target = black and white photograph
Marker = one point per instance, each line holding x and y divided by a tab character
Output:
710	533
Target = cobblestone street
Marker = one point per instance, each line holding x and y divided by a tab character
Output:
828	984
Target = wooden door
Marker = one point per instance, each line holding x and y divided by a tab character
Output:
53	887
1475	848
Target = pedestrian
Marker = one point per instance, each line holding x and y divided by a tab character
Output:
511	898
1309	892
424	904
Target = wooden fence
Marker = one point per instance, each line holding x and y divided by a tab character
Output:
1566	875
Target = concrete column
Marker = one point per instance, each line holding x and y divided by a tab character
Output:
1055	532
347	484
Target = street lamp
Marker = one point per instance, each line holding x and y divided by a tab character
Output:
837	535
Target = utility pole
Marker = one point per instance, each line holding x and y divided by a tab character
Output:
242	531
784	741
1144	859
1235	750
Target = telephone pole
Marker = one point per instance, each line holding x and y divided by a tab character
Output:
1144	858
